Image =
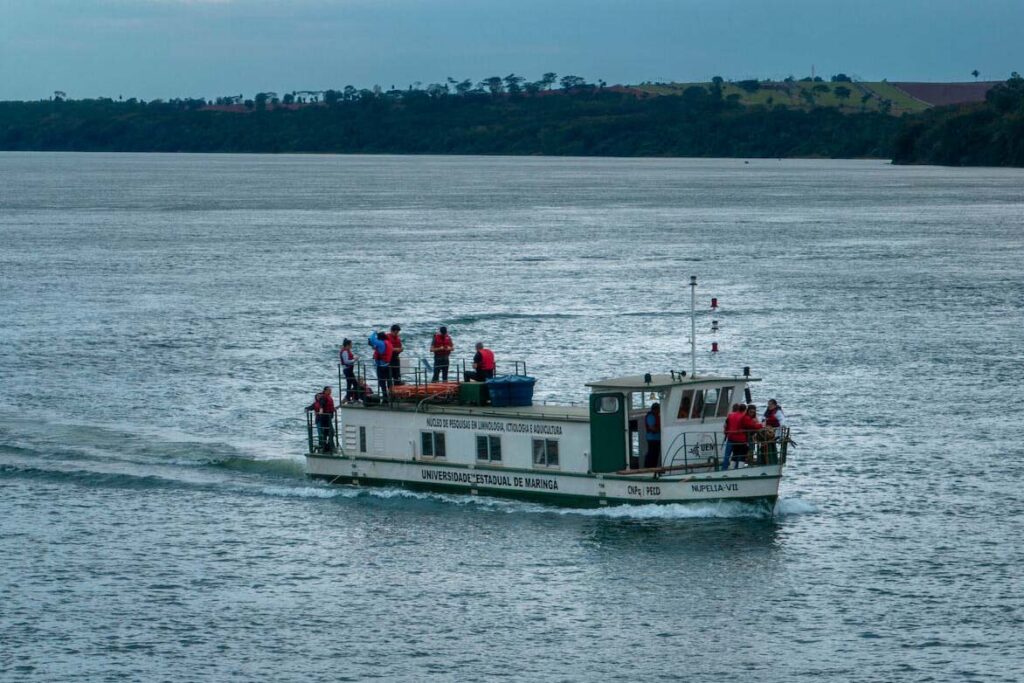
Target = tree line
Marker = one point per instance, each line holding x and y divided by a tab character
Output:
512	116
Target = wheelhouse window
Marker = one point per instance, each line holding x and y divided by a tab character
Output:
698	405
724	401
685	403
710	402
432	444
608	404
488	448
704	403
545	452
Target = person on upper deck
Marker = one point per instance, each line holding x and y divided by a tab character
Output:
442	347
348	367
382	361
396	349
735	440
483	363
652	432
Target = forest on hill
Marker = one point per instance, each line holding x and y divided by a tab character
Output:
985	134
507	116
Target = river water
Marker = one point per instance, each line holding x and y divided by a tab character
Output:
166	318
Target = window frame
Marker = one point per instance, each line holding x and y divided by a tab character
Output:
492	445
725	400
685	401
547	460
438	450
362	438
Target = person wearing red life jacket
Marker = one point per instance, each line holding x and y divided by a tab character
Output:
382	351
348	366
773	415
735	440
748	425
396	350
324	408
442	347
483	363
776	419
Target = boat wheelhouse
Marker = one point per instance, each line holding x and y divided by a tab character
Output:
451	437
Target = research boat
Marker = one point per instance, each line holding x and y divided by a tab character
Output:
491	439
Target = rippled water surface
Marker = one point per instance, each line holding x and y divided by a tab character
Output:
165	319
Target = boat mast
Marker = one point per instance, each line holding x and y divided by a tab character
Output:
693	325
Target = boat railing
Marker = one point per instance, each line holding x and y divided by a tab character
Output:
322	434
690	450
415	380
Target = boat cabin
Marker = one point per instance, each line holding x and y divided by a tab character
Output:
693	411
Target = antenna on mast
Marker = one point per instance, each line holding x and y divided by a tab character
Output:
693	325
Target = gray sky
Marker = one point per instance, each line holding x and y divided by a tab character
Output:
205	48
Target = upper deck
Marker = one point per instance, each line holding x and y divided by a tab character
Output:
562	412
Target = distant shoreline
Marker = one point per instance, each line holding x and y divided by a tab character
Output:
694	122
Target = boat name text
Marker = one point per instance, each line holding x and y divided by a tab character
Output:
713	488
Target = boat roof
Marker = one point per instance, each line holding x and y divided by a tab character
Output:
663	381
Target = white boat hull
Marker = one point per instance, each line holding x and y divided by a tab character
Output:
752	484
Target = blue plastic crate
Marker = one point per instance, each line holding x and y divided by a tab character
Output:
511	390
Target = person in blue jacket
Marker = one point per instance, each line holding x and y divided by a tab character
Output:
652	424
382	351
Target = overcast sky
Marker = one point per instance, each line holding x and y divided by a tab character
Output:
205	48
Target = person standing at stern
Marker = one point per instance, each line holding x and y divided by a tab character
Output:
325	420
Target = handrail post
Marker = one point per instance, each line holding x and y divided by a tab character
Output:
309	430
334	437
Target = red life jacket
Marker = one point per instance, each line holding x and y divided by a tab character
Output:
770	419
486	359
396	342
442	342
749	424
326	405
388	351
733	430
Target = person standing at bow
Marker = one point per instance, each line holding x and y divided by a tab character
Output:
442	347
775	420
735	440
773	415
